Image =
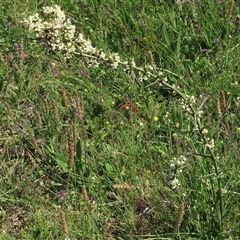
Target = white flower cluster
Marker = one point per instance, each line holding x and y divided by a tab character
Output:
57	32
176	167
184	104
114	59
54	30
210	143
167	117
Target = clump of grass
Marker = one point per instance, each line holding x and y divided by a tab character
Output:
129	119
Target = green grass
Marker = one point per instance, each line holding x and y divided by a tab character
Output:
121	182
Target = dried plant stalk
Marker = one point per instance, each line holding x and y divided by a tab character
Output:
55	109
218	107
124	186
231	9
181	209
71	153
63	222
223	103
39	120
38	149
46	104
151	58
74	131
101	27
64	97
86	198
30	157
78	106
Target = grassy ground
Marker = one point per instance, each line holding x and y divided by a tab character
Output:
100	153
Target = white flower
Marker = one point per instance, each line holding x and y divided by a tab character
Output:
175	183
200	113
102	55
172	165
132	63
176	168
204	131
210	143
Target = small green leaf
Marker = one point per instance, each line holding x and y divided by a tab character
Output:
79	150
78	161
108	167
61	160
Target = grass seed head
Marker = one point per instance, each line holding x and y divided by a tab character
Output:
181	209
86	198
223	103
38	149
55	109
64	97
80	107
39	120
30	157
101	28
46	104
151	58
63	222
218	107
71	155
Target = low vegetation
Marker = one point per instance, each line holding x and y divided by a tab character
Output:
119	119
